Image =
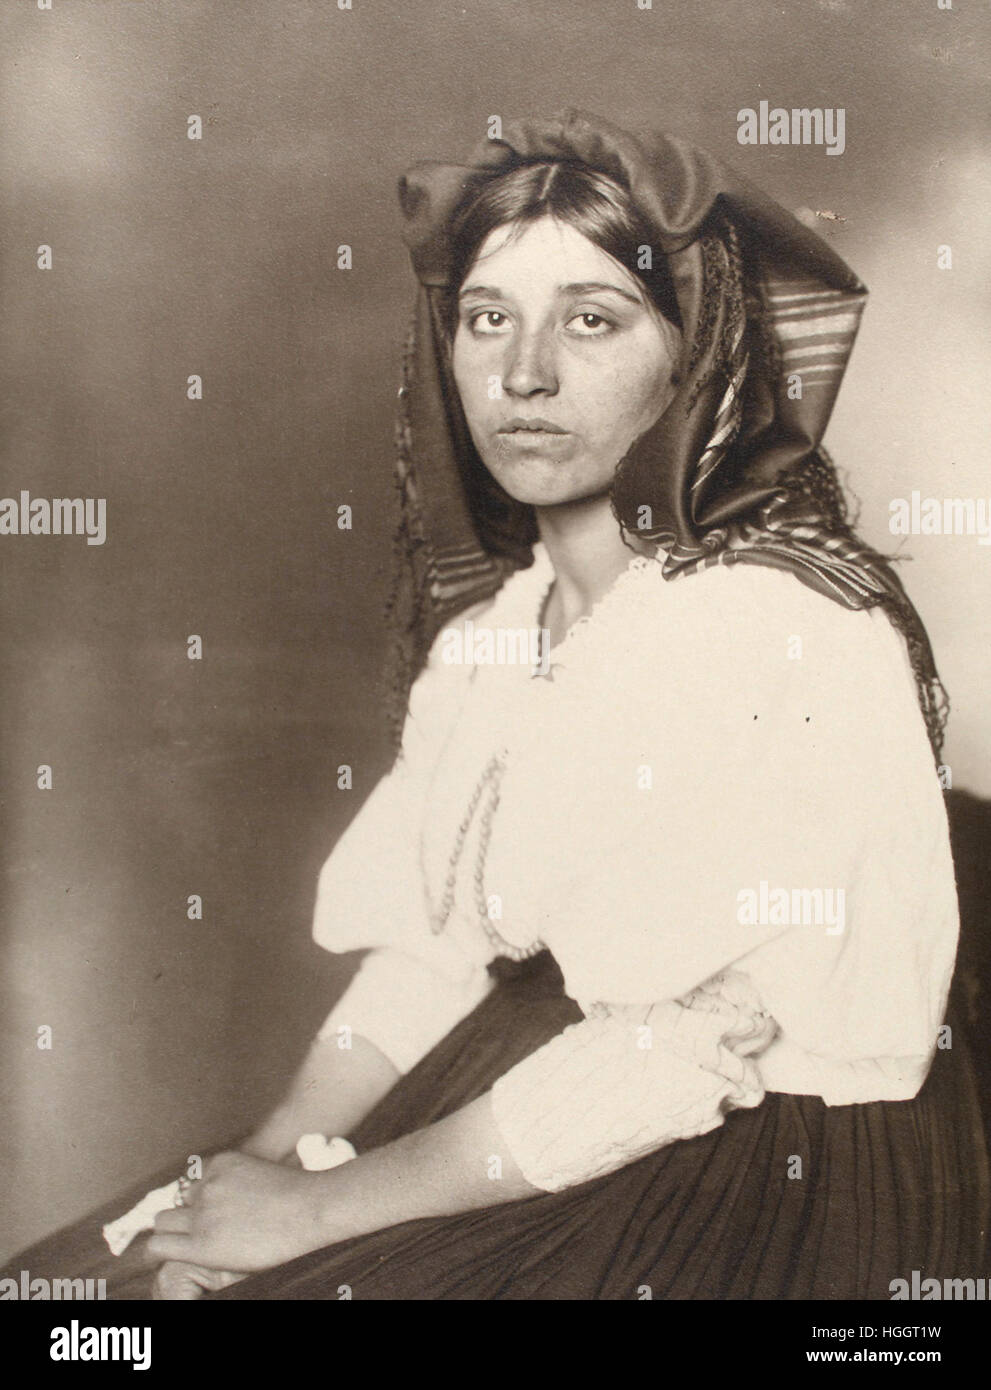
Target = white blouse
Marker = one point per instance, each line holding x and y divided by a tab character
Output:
720	814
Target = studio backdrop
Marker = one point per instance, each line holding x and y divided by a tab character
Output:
204	295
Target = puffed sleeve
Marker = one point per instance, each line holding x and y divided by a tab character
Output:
413	986
778	757
628	1080
403	1005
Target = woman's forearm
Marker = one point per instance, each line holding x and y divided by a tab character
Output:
456	1165
251	1215
333	1091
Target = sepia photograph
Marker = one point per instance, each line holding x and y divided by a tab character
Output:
495	531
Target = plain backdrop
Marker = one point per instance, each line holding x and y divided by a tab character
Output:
218	257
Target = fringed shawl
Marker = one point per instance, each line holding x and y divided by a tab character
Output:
733	471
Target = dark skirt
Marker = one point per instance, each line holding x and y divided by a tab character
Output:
884	1189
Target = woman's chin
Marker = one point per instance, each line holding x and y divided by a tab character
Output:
544	499
552	490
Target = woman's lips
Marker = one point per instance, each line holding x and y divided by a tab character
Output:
534	426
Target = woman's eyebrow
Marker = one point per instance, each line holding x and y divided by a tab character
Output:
579	287
489	292
597	286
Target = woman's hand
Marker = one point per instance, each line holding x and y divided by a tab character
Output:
181	1282
245	1214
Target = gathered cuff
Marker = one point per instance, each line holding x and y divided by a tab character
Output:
627	1080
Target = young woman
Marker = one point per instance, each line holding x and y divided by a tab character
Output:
661	919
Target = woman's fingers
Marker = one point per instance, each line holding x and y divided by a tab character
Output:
173	1219
178	1282
169	1247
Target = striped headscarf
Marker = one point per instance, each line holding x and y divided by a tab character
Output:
733	471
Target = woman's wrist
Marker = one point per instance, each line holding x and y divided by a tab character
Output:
331	1093
441	1170
270	1141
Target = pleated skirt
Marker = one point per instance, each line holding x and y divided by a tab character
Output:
790	1200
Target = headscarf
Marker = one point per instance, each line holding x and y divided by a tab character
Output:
732	472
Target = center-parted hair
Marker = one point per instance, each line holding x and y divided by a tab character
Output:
584	199
734	470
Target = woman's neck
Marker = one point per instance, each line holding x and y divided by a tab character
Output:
588	553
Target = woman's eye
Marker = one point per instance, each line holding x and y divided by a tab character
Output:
489	321
589	324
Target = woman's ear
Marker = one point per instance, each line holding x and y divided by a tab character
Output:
674	343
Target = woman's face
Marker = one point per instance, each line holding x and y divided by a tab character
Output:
561	361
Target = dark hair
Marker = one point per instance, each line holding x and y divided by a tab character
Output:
602	211
590	202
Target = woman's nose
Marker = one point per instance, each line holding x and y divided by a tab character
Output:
530	367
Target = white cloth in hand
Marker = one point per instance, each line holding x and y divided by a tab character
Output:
316	1154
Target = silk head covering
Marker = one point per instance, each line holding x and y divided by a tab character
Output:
732	472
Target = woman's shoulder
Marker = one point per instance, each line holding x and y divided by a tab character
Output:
756	614
443	683
751	643
515	603
760	593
